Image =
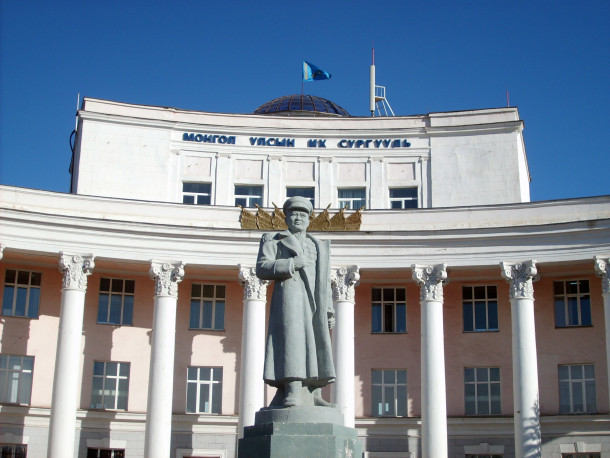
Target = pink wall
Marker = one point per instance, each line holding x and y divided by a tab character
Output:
373	351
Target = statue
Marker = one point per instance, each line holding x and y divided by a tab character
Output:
298	356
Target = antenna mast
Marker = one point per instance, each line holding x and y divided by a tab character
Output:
377	99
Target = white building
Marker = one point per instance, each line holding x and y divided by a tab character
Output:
148	341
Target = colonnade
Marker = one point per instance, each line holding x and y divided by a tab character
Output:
77	267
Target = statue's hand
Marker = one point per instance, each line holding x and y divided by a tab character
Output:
300	262
331	322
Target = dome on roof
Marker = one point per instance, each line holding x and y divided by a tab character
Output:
301	105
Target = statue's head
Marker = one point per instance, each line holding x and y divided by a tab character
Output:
297	210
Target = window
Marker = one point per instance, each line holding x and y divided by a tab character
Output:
196	193
16	379
115	304
310	193
577	388
13	450
389	309
204	390
105	453
207	307
354	198
572	303
389	393
403	197
110	385
482	390
247	196
480	308
21	293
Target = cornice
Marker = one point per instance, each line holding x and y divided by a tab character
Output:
507	126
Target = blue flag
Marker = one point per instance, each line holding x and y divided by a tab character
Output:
311	72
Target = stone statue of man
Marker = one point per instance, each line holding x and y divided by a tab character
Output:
298	357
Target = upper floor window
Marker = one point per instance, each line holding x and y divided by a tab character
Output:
207	307
110	385
196	193
389	392
572	303
21	293
247	196
389	310
480	308
354	198
577	388
482	390
204	390
115	303
16	379
403	197
309	193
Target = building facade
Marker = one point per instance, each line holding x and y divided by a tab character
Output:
470	321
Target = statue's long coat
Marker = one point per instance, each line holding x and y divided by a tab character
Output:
298	339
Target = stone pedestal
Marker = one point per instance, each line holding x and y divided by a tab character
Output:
306	432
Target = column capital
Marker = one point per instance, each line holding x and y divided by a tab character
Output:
521	276
431	280
602	268
254	287
167	275
75	268
344	280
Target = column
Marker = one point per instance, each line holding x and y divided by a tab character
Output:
433	397
158	433
344	280
602	267
66	381
525	363
1	251
251	383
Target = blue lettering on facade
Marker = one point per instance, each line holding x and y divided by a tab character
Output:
344	143
290	142
316	143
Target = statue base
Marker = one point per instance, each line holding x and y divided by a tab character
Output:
304	432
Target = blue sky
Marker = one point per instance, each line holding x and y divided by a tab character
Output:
232	56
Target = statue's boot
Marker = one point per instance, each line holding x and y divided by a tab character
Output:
293	393
318	401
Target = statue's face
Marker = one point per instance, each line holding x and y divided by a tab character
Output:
297	220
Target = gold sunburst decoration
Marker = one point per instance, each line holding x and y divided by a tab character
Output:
323	222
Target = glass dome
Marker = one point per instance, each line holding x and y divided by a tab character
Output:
301	105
